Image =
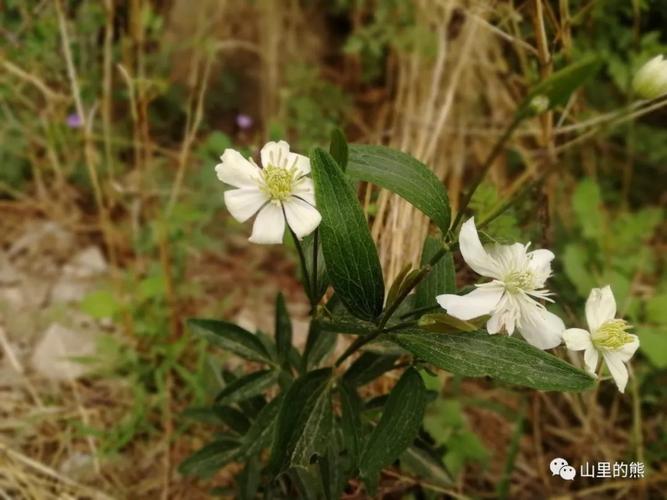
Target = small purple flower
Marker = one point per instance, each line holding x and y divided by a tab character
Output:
244	122
74	120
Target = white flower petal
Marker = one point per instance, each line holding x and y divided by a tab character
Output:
539	262
302	163
618	370
244	203
495	323
236	171
473	252
507	258
479	302
626	351
302	217
600	307
305	190
577	339
591	357
269	226
275	153
538	326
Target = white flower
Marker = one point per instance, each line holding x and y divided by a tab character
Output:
518	278
651	79
606	336
279	190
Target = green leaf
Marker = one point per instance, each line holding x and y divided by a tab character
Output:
100	304
331	469
338	148
208	460
350	254
588	207
404	175
558	87
351	406
368	367
425	465
248	480
504	358
260	433
653	344
440	280
247	387
444	323
578	269
283	329
398	426
230	337
319	345
304	422
228	415
322	279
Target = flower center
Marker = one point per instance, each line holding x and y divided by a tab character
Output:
612	334
278	181
518	280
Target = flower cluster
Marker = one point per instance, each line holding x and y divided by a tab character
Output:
511	300
280	192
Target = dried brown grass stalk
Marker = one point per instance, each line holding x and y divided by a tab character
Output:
435	100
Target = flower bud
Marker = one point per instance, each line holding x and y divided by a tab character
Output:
539	104
650	81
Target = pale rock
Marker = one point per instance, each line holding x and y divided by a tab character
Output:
88	263
54	353
76	280
8	273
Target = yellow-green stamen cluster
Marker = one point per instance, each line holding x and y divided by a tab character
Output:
612	334
278	182
518	280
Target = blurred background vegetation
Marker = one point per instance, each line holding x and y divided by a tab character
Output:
113	229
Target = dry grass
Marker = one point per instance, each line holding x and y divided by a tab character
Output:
446	109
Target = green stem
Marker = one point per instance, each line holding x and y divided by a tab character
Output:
356	345
425	270
304	268
316	242
486	166
418	311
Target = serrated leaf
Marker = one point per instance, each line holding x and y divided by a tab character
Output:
230	337
304	422
283	329
352	261
440	280
400	422
247	387
404	175
558	87
208	460
504	358
338	148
